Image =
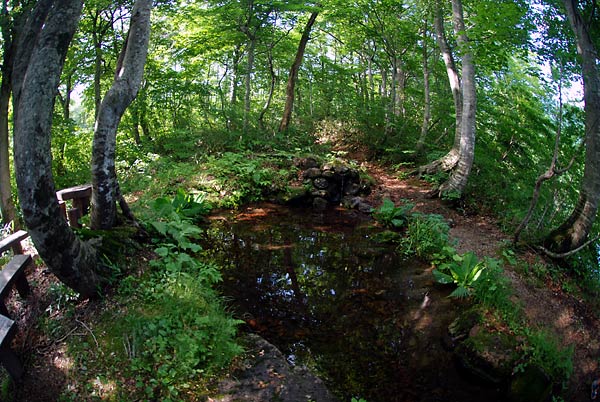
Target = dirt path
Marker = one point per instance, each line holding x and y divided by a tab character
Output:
573	322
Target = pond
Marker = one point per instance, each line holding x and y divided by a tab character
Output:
365	318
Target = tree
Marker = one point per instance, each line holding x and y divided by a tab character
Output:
293	76
7	26
448	161
42	48
466	151
572	234
128	79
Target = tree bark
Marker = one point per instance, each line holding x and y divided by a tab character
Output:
293	76
448	161
52	24
128	79
574	231
248	81
7	206
457	181
426	94
273	81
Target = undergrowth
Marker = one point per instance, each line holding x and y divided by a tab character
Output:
427	237
170	333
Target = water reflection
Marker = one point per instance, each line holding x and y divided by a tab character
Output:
318	287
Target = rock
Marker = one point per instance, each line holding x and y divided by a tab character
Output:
488	356
459	329
320	204
342	170
265	375
530	385
312	173
351	189
331	175
321	183
305	163
365	208
332	183
320	194
351	202
296	196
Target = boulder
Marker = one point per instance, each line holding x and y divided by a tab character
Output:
265	375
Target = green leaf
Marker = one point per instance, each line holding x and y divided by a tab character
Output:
460	292
161	227
442	278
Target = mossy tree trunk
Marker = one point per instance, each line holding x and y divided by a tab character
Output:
42	48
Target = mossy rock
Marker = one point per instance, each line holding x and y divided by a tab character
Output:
488	356
459	329
530	385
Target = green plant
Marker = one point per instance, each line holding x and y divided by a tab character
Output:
392	216
464	271
183	204
426	235
545	351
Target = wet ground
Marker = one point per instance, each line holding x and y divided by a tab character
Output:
319	286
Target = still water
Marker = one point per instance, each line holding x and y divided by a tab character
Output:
319	286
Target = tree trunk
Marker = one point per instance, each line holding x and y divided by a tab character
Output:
449	161
248	82
293	76
128	79
426	95
97	41
457	181
273	81
7	206
53	24
574	231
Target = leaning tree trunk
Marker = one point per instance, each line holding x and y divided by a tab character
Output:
293	77
128	79
448	161
74	262
573	232
457	181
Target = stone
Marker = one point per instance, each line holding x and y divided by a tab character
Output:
320	204
365	208
459	329
321	183
265	375
305	163
350	202
488	356
311	173
342	170
351	189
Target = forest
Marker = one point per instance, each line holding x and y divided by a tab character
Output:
416	178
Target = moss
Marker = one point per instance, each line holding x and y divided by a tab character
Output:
488	356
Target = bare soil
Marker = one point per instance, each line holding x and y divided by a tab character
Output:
49	368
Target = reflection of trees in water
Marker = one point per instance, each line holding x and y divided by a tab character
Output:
317	295
333	299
